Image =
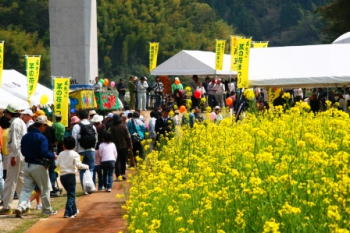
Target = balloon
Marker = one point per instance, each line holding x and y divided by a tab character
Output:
106	82
197	94
182	109
112	84
177	82
101	81
229	101
44	99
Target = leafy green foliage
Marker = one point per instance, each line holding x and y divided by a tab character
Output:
126	27
287	22
337	15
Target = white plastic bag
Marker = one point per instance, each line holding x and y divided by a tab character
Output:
88	183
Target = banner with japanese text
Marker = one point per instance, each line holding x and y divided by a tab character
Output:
219	54
1	60
260	44
234	52
244	45
153	55
33	71
61	98
272	94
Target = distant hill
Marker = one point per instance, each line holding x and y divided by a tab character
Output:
283	22
127	26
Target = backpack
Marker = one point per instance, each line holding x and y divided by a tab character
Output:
87	136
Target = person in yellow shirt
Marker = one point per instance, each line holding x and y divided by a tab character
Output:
4	128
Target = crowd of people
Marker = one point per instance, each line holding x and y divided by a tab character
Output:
36	153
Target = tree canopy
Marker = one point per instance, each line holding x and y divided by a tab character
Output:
125	28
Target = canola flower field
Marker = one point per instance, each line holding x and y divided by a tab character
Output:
274	172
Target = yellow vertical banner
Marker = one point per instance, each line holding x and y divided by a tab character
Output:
33	71
61	98
1	60
219	54
234	52
153	55
243	53
260	44
272	94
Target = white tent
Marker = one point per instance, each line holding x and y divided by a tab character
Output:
15	84
301	66
343	39
188	62
7	98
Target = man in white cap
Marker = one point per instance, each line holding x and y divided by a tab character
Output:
27	117
35	149
14	177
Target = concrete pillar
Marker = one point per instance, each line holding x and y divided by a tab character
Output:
73	39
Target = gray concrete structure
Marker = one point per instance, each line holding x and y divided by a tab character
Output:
73	39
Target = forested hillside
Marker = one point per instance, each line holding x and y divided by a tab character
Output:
127	26
287	22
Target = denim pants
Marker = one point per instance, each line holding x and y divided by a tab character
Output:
35	174
89	159
107	168
68	182
1	177
98	176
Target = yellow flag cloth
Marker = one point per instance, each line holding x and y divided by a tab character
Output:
61	98
153	55
33	71
244	45
219	54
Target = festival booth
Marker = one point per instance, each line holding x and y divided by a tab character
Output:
191	62
85	97
16	84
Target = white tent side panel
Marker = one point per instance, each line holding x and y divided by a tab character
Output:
314	65
16	84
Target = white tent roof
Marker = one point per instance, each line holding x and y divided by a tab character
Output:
313	65
343	39
7	98
188	62
15	84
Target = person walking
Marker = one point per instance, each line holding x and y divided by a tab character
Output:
121	87
158	89
132	91
85	135
35	149
122	140
68	162
142	86
108	155
14	175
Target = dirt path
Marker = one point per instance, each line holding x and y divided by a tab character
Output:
99	212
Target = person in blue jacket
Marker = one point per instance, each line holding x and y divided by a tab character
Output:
137	131
35	149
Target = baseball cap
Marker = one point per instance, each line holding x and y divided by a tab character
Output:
42	120
12	108
97	118
39	113
27	112
92	112
110	115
